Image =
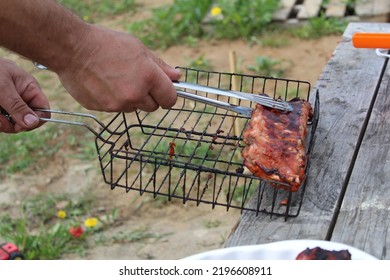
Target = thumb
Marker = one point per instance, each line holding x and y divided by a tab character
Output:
21	117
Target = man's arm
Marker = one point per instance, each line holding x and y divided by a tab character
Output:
43	31
102	69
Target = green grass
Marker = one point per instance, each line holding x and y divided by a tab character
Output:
37	231
212	224
243	191
172	24
200	63
136	235
243	19
23	150
91	10
319	27
47	243
188	21
184	20
41	235
33	150
266	66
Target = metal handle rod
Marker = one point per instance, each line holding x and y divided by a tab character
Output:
71	123
98	135
9	117
71	114
382	52
208	89
261	99
216	103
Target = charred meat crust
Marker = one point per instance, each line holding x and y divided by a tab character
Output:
317	253
275	143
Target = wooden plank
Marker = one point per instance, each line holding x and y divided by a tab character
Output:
365	210
366	8
284	11
309	9
346	88
336	8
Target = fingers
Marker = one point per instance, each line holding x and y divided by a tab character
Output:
157	89
20	93
6	125
163	92
23	118
172	73
115	72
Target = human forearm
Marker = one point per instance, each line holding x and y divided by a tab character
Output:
43	31
102	69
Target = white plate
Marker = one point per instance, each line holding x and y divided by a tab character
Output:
282	250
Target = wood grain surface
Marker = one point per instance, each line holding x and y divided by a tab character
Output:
347	87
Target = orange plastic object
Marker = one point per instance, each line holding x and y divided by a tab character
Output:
371	40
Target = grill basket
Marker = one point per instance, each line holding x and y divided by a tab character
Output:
192	152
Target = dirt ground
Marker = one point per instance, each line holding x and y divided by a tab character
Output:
183	230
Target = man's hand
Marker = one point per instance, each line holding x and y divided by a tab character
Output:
113	71
19	93
102	69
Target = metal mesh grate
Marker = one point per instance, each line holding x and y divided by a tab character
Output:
192	152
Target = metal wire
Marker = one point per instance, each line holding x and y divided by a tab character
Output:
192	152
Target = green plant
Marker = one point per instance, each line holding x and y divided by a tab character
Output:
136	236
320	26
46	242
19	151
350	3
274	36
212	224
243	19
241	192
97	9
31	150
200	63
43	231
266	66
271	41
185	20
171	24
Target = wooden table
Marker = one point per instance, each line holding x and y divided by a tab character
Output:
347	197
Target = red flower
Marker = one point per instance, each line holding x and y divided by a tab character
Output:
76	231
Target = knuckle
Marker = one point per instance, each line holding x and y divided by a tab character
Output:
17	106
32	85
149	78
151	108
171	101
111	107
132	98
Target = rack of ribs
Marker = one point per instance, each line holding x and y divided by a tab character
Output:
275	144
318	253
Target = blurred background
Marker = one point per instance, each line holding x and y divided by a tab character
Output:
54	203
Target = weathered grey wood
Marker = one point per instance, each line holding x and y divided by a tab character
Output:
346	87
365	211
365	8
284	10
309	9
336	8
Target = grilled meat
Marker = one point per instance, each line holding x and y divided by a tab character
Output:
275	143
318	253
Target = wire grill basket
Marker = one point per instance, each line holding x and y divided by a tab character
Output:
192	152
